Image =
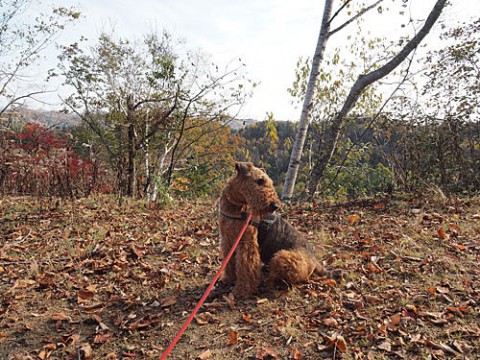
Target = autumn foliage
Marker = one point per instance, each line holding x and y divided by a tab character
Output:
38	161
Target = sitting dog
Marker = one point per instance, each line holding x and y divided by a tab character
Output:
279	246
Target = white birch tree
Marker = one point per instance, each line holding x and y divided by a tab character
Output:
325	146
301	135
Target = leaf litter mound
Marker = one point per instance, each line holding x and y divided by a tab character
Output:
95	279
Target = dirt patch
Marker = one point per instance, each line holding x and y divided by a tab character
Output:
95	279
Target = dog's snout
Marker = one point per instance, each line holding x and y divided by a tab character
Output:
274	206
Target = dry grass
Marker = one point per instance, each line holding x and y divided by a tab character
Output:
95	279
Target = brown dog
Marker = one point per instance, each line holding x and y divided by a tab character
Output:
280	246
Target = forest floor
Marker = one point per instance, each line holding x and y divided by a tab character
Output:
95	279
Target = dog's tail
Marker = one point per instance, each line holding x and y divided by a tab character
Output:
319	269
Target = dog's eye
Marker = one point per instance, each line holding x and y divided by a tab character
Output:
261	182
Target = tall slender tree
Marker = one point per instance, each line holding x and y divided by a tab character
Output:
301	134
325	146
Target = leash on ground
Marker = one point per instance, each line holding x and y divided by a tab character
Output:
207	292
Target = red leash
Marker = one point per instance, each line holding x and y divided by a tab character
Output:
207	292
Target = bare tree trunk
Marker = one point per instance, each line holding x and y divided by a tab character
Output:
325	146
131	148
301	134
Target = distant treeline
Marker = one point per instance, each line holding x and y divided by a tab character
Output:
372	157
376	156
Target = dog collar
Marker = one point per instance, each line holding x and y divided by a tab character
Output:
243	216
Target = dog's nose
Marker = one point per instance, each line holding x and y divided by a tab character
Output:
274	206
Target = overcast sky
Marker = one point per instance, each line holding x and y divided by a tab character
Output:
268	35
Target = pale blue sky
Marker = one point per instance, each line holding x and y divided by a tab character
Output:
269	35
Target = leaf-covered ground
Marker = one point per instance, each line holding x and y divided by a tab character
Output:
94	279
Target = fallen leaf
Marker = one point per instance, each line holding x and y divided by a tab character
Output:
441	233
393	322
296	355
266	352
386	346
353	219
371	299
330	282
137	253
205	355
86	351
102	338
169	301
341	344
60	317
23	283
204	318
232	337
84	295
330	322
432	291
230	300
462	346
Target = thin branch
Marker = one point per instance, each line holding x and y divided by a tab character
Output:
371	122
11	102
354	18
339	10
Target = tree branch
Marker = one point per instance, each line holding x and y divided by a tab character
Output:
353	18
339	11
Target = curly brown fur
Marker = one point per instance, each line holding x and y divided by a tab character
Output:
286	252
249	190
276	243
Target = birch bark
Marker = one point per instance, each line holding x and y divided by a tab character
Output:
324	148
301	135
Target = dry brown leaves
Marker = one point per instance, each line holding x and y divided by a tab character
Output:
93	279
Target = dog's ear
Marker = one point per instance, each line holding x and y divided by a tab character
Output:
243	168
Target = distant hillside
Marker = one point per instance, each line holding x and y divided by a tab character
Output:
237	124
21	115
